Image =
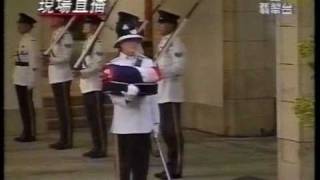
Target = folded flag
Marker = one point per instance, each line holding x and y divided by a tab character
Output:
116	79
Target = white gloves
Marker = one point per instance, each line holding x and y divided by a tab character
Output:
131	93
156	130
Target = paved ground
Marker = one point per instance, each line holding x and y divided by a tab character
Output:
206	158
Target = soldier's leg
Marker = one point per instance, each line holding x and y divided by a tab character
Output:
62	99
179	137
66	113
123	157
94	115
170	130
141	155
168	134
103	127
23	102
32	112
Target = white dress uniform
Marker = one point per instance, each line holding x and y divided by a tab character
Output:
60	78
138	116
28	57
59	69
91	80
170	97
171	65
91	88
24	75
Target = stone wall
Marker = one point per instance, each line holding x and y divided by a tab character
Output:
249	69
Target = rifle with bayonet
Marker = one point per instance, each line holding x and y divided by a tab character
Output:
95	37
146	21
178	30
59	37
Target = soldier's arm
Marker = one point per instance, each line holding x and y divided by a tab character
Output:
34	54
97	58
177	53
65	55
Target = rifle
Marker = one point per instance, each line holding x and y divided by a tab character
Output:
95	37
66	27
178	30
145	22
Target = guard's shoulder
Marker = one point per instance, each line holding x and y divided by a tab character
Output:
177	40
29	37
98	44
148	62
67	34
114	60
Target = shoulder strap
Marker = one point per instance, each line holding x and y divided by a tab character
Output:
138	62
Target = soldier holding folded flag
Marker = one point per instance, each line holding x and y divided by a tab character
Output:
135	108
24	75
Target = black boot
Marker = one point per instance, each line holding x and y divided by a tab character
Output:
95	154
61	146
23	138
162	175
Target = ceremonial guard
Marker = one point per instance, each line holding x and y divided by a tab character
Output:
60	78
26	66
91	88
170	93
135	113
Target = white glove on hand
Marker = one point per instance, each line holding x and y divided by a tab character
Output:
131	93
156	130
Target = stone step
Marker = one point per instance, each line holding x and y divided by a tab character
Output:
76	111
78	123
48	101
76	100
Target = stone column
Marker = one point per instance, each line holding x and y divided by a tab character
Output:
294	76
294	80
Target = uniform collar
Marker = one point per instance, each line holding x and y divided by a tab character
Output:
166	36
124	56
26	35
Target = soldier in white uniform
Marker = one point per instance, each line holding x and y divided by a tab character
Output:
170	93
60	78
24	77
134	117
91	88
